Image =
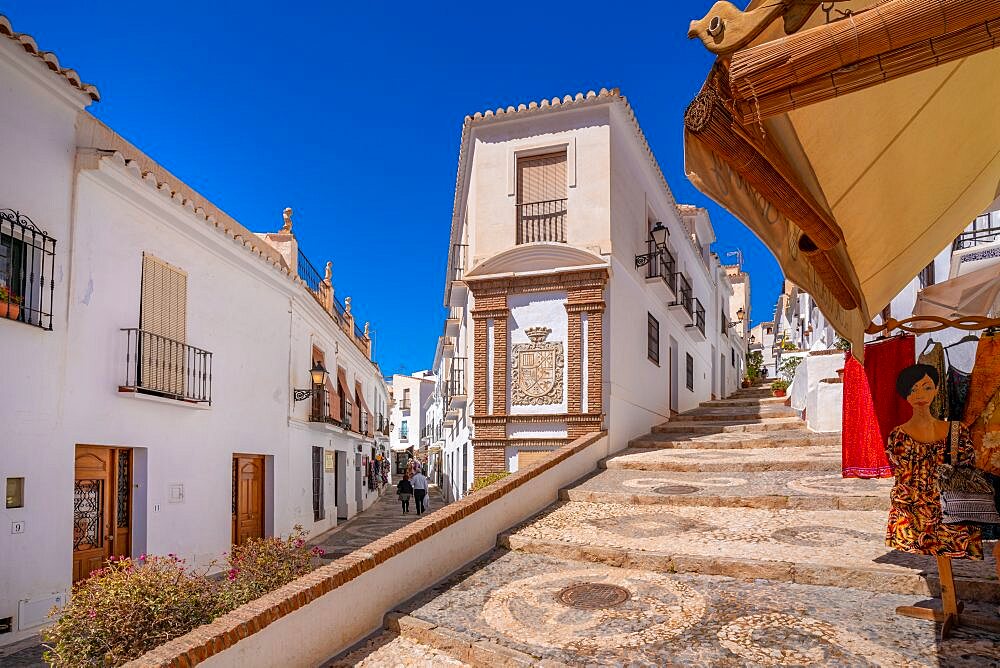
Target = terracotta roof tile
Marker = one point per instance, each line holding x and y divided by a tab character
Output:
29	44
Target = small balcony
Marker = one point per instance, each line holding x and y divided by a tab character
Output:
682	302
458	291
163	367
346	415
365	423
382	425
453	323
448	347
978	246
663	267
541	221
457	394
697	324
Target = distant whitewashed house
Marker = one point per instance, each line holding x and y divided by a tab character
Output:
581	296
158	359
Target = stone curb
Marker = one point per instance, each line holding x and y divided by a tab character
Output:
763	502
875	580
478	653
227	630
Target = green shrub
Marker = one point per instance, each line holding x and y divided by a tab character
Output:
780	384
128	608
486	480
755	361
262	565
788	367
842	343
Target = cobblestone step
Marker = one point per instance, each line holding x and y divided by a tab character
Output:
585	613
843	548
745	401
734	413
736	440
697	427
803	458
393	649
773	490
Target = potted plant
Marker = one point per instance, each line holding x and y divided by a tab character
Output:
746	382
778	387
10	304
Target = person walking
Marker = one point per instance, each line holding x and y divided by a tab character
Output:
404	488
419	491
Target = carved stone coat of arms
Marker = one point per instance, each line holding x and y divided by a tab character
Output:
537	370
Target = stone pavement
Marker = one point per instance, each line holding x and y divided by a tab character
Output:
726	537
380	519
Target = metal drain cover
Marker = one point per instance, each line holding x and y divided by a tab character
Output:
593	596
676	489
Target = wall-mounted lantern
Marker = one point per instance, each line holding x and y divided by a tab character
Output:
658	235
318	374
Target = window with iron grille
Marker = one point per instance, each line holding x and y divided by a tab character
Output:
689	371
926	276
27	258
541	198
653	339
732	352
317	462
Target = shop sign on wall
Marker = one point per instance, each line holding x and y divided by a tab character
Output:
537	370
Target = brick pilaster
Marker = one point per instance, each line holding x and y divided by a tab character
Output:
595	359
574	349
500	366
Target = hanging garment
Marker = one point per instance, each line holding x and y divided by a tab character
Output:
935	358
915	505
883	362
863	454
958	392
982	408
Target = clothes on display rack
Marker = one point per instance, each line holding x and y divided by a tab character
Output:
982	408
883	362
958	392
915	506
935	357
863	454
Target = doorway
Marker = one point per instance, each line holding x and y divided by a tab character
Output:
722	376
248	498
342	509
102	507
674	379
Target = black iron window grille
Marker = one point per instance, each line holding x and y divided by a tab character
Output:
27	260
317	484
689	371
980	231
88	513
346	414
697	314
541	221
364	422
164	367
320	405
458	257
652	339
683	293
124	486
926	276
724	323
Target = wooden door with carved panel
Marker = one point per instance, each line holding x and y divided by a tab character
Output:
248	498
102	507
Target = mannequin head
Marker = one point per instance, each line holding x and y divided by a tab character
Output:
918	384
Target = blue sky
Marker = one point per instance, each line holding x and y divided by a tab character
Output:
351	114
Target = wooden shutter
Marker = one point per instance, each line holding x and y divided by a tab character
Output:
541	178
163	319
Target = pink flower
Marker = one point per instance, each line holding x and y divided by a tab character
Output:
232	573
92	613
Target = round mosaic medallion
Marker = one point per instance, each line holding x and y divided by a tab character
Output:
593	596
676	489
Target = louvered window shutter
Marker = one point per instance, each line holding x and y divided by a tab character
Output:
541	198
163	321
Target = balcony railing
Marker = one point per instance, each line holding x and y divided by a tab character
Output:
404	405
978	233
663	267
323	293
164	367
346	414
541	221
383	425
458	258
364	423
456	380
27	258
683	293
320	405
698	315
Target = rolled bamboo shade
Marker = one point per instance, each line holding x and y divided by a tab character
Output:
873	71
890	26
541	178
162	311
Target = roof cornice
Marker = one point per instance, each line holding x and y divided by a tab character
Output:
49	59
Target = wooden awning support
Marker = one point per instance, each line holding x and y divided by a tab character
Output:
935	323
888	41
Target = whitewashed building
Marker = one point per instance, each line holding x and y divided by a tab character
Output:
406	419
158	358
557	326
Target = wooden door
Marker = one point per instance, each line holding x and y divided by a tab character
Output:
248	501
102	507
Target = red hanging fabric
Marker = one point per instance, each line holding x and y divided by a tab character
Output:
862	442
883	362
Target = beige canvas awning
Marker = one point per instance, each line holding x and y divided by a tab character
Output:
854	193
972	294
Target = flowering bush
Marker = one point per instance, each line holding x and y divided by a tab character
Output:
131	606
126	609
486	480
7	295
263	564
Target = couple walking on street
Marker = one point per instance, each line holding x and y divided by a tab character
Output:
415	485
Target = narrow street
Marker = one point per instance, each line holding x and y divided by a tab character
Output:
382	518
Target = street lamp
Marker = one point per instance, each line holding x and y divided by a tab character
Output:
658	235
740	314
318	374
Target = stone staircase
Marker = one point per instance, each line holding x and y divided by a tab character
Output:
726	536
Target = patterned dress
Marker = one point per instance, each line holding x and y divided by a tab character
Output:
915	510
